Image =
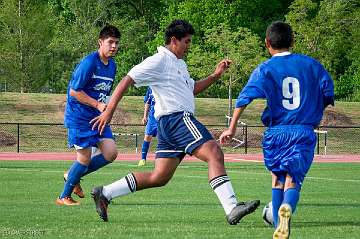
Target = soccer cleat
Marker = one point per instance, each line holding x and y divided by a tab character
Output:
142	162
67	201
242	209
283	229
101	202
77	189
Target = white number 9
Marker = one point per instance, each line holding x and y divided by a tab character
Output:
292	98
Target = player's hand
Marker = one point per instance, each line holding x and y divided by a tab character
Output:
144	121
101	107
226	136
101	121
222	66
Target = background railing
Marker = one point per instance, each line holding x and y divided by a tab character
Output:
41	137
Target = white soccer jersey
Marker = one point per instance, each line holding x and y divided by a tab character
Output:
169	80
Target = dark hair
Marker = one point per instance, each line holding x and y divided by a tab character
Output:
280	35
178	29
109	31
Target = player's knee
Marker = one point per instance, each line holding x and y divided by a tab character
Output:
159	180
216	155
111	156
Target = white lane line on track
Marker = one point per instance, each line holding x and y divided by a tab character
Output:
190	176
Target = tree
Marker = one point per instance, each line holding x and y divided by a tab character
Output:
24	36
242	46
327	30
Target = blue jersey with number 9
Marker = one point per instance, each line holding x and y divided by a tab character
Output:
296	87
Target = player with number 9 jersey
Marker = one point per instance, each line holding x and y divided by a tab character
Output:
294	96
297	89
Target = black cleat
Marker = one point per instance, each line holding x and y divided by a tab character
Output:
101	202
241	210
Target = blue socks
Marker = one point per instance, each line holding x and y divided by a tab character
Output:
291	197
145	149
277	200
75	173
97	161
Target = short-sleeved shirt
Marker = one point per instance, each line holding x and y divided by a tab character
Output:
96	79
170	82
296	88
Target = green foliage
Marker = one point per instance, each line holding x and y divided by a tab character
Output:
241	46
24	35
42	41
327	30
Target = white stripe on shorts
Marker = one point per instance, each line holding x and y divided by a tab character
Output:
192	128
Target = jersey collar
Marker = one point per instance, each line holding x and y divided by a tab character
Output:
285	53
162	49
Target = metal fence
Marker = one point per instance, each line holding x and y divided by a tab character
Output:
38	137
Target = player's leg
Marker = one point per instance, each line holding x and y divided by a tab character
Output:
277	194
287	208
106	154
211	153
145	149
291	193
74	175
162	173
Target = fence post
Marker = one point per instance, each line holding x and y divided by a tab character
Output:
18	137
136	143
318	142
246	136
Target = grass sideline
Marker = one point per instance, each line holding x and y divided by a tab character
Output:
185	208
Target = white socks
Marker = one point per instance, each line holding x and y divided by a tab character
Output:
224	191
121	187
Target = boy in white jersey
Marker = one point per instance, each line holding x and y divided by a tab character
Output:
179	133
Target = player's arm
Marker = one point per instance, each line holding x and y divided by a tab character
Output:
106	116
146	113
83	98
230	132
205	83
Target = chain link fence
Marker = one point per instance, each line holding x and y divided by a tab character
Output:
22	137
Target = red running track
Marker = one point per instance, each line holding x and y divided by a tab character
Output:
135	157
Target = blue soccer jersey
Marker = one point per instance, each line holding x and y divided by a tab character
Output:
96	79
296	87
150	100
151	125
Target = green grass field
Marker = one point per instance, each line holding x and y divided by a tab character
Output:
185	208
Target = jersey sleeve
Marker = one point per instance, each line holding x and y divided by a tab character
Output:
327	87
252	90
148	72
82	74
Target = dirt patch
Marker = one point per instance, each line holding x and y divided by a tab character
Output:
6	139
120	117
333	118
62	109
254	139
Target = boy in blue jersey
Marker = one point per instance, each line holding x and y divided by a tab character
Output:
297	89
179	132
87	96
150	125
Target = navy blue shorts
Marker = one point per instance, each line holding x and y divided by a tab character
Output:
289	149
151	127
84	138
180	134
